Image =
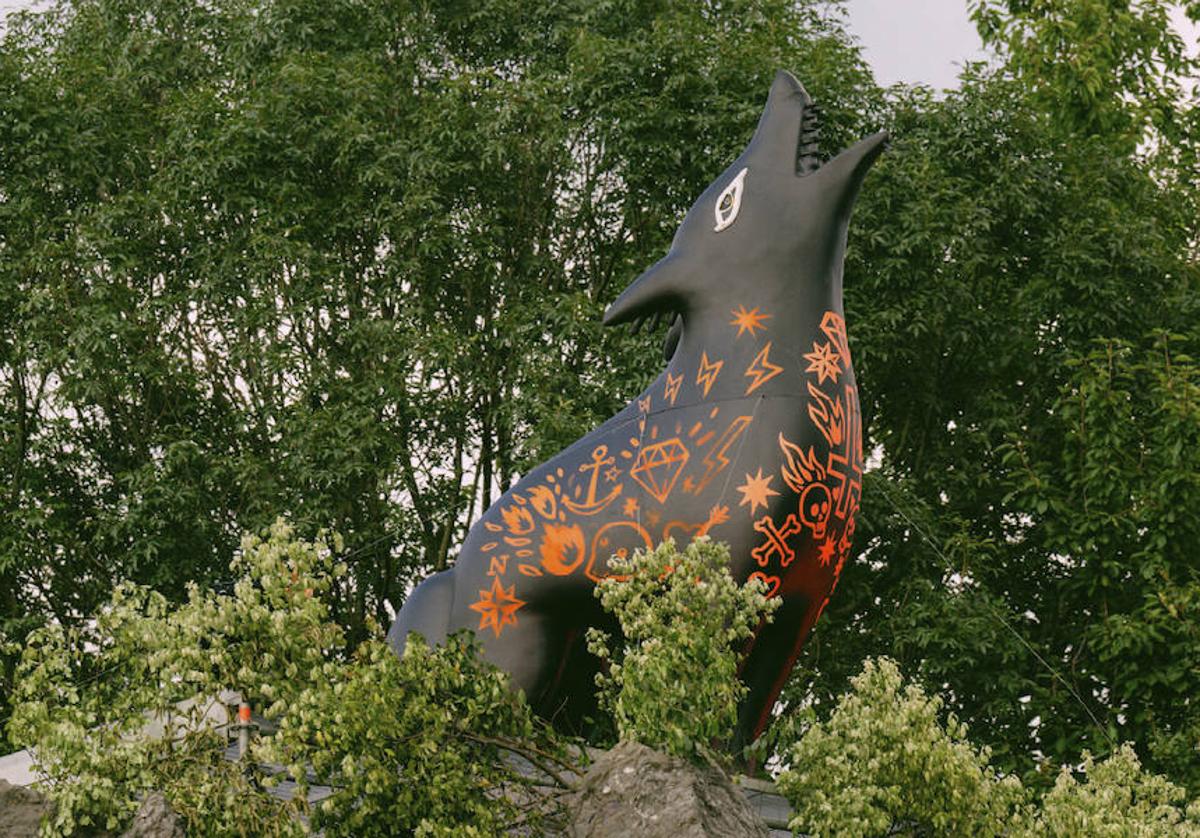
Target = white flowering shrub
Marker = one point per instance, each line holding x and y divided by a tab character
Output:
883	760
423	746
884	764
1116	799
410	746
672	680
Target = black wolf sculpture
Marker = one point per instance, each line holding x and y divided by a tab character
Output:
751	435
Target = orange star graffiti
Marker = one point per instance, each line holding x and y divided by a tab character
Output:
498	607
824	362
708	372
748	321
756	490
761	369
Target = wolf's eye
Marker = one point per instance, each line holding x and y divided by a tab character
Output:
729	202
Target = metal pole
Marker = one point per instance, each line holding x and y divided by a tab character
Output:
243	730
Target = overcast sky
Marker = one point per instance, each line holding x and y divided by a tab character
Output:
913	41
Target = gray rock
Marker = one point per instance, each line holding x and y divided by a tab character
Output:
633	790
155	819
21	811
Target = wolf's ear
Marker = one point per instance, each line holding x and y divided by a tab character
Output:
778	132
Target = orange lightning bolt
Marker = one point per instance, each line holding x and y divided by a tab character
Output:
761	369
716	460
707	373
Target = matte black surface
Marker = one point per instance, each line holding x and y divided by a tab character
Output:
751	435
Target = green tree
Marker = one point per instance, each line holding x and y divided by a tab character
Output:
1023	545
341	260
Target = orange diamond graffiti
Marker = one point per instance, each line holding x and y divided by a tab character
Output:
658	466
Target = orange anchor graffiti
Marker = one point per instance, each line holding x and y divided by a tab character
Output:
590	505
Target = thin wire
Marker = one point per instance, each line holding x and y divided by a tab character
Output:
995	612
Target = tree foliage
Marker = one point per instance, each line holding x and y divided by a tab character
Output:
346	260
343	261
671	681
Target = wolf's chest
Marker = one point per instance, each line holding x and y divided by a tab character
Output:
759	448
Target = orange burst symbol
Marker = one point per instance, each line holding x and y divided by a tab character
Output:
707	374
826	363
498	607
828	548
761	369
756	490
748	321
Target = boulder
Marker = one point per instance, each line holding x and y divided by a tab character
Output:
21	811
633	790
155	819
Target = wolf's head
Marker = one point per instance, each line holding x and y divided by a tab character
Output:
770	230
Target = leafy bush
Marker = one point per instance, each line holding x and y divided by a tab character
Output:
85	697
1117	800
450	722
884	764
673	683
413	744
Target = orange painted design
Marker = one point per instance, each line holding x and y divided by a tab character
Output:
562	549
695	429
490	527
706	376
761	369
772	582
490	546
658	467
828	548
756	491
748	321
672	388
498	565
827	415
704	440
834	327
800	468
590	506
529	570
517	542
717	459
776	543
544	502
644	404
606	544
497	607
824	361
716	516
630	508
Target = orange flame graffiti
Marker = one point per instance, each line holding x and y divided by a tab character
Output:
562	549
800	469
